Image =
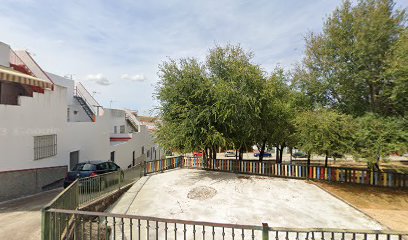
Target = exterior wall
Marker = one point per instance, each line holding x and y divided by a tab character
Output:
124	151
45	114
77	113
64	82
41	114
4	55
30	181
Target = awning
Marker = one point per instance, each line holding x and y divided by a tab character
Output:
8	74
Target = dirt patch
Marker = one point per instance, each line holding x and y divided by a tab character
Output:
387	206
202	193
244	177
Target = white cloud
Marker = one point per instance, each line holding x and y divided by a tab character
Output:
135	78
99	78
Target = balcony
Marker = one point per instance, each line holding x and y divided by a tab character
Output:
120	137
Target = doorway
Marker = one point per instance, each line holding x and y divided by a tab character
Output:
73	159
112	156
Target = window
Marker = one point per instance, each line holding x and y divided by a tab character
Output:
45	146
143	150
112	156
115	129
148	153
122	129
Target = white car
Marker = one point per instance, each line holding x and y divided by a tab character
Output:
229	154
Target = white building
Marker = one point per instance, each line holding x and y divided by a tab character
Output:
48	124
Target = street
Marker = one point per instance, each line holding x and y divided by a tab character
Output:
21	218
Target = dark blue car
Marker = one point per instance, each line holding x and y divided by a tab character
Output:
265	154
89	169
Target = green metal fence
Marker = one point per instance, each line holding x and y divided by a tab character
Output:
100	225
84	191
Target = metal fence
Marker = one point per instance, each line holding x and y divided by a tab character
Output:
83	191
163	164
69	224
62	220
331	174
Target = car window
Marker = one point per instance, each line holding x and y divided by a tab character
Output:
102	167
87	167
112	166
78	167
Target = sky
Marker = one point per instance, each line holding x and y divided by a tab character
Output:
115	47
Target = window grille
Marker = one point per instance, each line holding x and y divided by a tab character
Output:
45	146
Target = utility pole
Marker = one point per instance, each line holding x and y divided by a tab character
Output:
69	76
110	103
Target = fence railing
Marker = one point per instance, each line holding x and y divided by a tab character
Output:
101	225
163	164
62	220
83	191
331	174
95	107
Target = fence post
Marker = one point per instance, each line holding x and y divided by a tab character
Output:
265	231
144	168
45	224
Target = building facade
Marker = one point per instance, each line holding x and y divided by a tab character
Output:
49	123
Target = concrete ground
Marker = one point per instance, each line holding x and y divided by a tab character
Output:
21	218
239	199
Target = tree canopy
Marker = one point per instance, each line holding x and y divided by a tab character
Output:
349	94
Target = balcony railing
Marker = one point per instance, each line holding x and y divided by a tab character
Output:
95	107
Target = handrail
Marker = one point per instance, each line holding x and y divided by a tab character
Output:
228	225
61	194
82	92
148	218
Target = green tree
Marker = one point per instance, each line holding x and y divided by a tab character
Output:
378	137
237	84
212	104
397	75
324	132
345	65
186	96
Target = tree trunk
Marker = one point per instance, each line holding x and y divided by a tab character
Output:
308	159
214	152
277	154
281	153
236	154
241	150
262	150
291	152
377	164
326	159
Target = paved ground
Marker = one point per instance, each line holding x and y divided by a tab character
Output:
230	198
388	206
21	219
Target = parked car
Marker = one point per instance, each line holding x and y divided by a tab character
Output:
89	169
299	154
265	154
229	153
198	154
